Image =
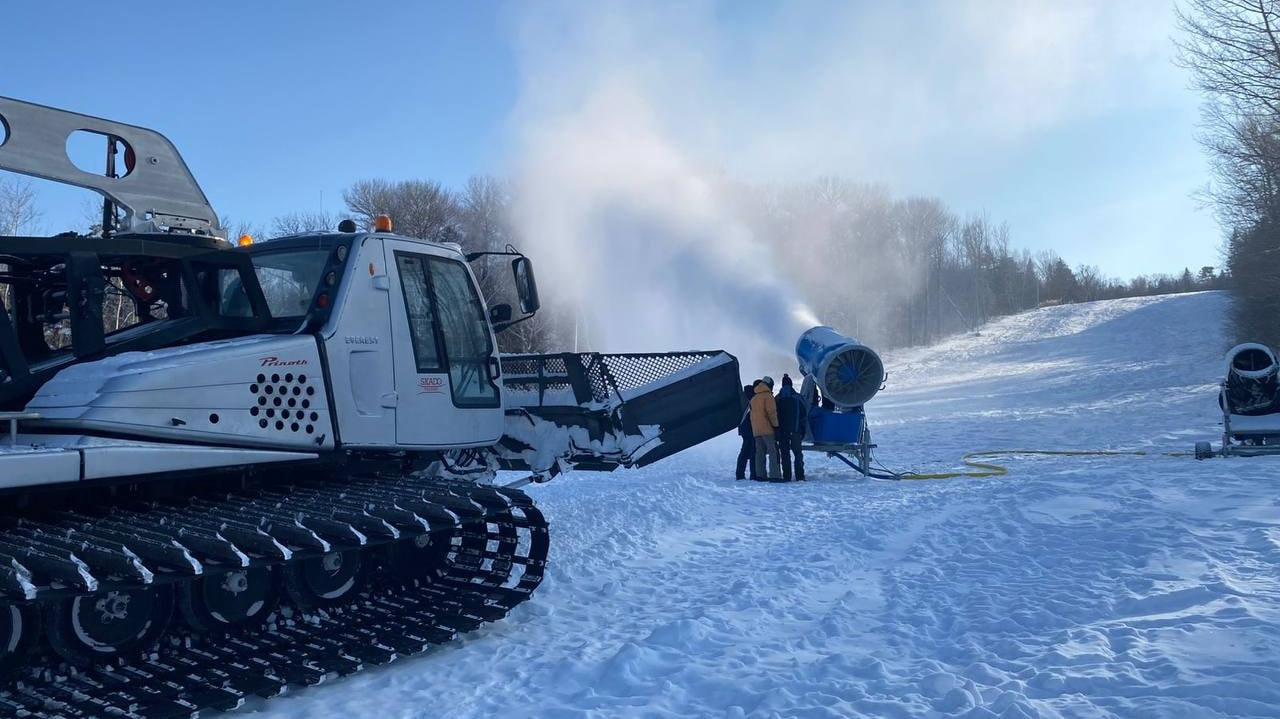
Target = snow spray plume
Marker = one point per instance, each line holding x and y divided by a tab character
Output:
642	240
633	117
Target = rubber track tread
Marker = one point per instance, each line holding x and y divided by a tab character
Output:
496	556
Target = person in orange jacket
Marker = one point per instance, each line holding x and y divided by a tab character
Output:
764	423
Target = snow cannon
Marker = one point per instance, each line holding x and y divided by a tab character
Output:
1250	403
1252	385
847	372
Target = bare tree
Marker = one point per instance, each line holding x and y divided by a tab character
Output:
974	244
236	229
1232	48
297	223
926	227
17	213
484	225
1090	284
418	208
547	331
17	206
483	214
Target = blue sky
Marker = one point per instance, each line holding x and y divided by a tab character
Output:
273	104
1071	123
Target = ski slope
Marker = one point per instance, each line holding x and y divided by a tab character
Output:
1072	587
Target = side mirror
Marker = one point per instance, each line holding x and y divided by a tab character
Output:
526	285
499	314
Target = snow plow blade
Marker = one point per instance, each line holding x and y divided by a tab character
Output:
603	411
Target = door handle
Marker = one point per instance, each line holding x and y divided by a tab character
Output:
495	368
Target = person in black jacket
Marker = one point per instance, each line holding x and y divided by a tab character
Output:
793	418
746	455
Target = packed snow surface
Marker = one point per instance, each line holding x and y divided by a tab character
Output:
1072	587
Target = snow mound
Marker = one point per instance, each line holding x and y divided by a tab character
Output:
1072	587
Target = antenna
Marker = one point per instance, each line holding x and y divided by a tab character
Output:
109	207
156	192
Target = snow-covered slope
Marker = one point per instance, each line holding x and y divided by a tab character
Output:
1073	587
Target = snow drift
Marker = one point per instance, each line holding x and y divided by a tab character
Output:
1073	587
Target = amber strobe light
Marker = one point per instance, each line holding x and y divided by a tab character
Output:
245	240
382	223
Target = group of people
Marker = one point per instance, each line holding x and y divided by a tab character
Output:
772	429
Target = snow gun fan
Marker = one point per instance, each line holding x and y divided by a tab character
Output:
1250	402
847	374
1252	385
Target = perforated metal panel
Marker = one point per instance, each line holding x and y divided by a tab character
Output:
594	376
282	402
630	371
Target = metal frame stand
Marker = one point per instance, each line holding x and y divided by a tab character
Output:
1267	442
860	450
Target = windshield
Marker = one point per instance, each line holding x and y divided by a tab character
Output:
288	280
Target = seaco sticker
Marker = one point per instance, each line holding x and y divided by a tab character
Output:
430	385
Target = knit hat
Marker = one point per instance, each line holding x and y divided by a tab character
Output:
786	380
767	380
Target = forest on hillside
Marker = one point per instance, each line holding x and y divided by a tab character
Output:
1232	48
897	271
892	271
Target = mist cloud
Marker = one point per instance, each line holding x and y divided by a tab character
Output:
634	118
641	240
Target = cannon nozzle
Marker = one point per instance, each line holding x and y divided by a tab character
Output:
846	371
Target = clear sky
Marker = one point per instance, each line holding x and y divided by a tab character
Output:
1068	120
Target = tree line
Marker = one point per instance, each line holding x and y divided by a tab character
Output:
1232	48
909	271
890	271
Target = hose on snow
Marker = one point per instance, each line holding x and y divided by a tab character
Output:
991	469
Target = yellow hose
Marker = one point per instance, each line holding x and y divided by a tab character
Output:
990	469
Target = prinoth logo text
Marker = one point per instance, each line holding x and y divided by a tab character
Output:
274	361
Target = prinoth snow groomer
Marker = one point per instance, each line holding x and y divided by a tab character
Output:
1250	402
840	376
231	469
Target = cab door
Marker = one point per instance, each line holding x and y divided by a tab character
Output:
359	350
446	361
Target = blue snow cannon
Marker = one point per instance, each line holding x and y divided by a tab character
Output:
848	373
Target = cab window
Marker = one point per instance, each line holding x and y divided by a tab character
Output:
419	307
464	332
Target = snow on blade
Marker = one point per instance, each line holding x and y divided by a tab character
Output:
1073	587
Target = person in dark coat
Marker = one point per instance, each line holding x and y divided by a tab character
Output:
793	418
746	455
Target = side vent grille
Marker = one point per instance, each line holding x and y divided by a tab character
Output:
282	403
